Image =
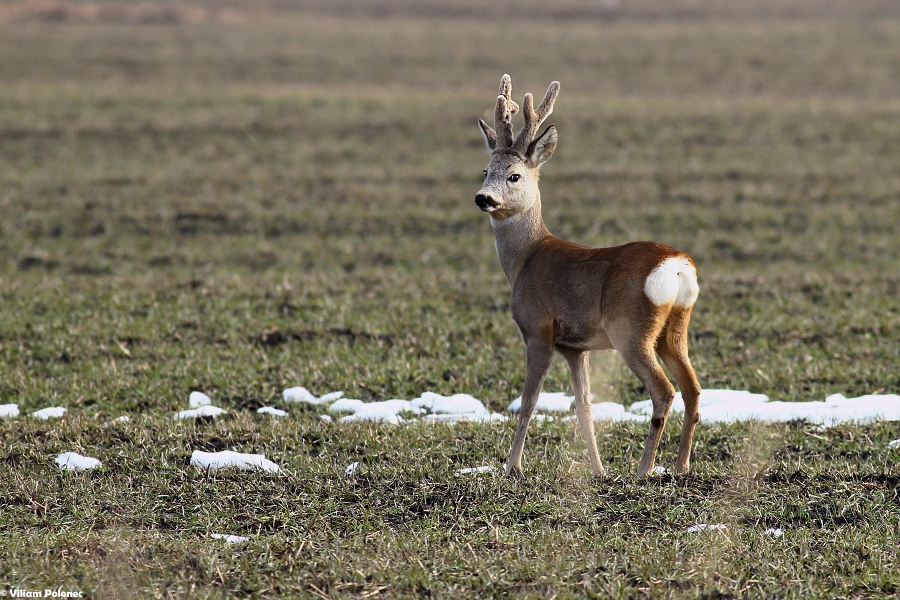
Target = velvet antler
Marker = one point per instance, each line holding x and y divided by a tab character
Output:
533	119
502	134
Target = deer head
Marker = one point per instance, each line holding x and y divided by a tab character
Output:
511	178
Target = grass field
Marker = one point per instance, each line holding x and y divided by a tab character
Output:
242	197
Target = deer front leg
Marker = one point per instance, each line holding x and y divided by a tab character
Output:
578	364
538	363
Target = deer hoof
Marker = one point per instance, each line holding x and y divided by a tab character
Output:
514	472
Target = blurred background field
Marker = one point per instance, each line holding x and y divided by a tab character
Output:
239	197
179	174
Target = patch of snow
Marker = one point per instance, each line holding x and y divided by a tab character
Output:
53	412
476	470
547	402
346	405
325	417
708	398
9	410
706	527
198	399
774	532
122	419
203	411
660	470
301	394
454	409
72	461
387	411
442	409
716	406
227	458
330	396
455	404
375	417
613	411
351	469
729	406
451	418
231	539
268	410
894	444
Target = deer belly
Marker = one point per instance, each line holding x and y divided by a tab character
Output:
582	338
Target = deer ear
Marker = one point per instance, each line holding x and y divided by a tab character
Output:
541	149
490	137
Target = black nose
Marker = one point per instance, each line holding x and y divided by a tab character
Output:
482	201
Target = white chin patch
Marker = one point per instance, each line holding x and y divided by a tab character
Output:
510	220
673	281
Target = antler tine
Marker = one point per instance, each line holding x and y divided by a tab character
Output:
534	118
503	113
506	92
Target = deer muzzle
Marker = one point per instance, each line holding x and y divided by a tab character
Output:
486	203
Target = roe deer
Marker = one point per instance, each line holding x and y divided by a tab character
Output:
636	298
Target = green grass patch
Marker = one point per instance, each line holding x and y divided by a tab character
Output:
240	202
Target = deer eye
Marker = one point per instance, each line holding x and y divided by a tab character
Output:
485	173
514	178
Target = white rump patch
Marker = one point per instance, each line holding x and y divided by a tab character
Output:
673	281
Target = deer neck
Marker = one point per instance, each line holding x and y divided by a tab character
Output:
517	237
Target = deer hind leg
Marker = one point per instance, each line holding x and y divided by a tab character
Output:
673	349
539	356
578	363
638	349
